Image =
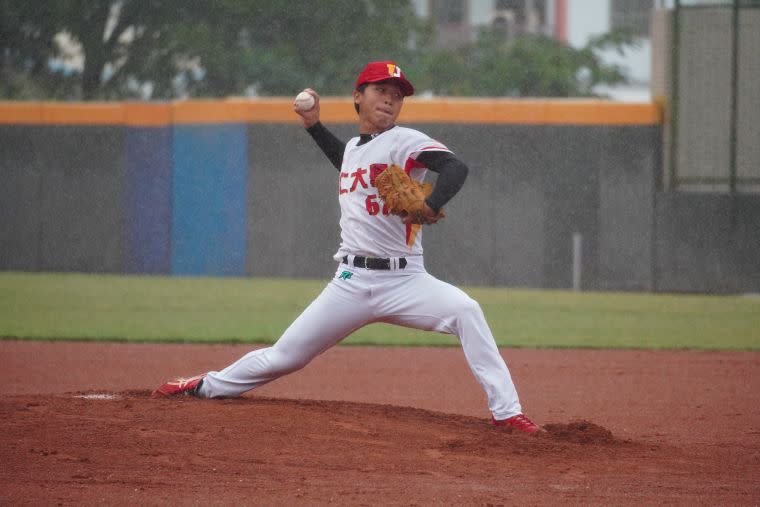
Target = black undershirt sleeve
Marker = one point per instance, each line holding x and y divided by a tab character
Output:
328	143
451	175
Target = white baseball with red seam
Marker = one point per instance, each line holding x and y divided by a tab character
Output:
304	101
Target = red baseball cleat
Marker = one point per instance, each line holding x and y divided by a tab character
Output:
180	386
520	423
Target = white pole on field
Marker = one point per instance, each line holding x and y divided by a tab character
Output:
577	257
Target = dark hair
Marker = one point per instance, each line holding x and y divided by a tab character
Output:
360	89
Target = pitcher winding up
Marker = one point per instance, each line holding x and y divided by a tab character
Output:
381	274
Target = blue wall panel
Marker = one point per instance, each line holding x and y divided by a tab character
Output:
147	200
209	200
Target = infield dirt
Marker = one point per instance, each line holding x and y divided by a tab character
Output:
377	426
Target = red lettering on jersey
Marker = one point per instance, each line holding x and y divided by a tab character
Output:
342	190
374	171
358	178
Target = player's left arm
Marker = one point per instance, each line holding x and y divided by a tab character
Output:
452	173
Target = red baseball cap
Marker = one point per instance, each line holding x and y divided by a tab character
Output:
380	71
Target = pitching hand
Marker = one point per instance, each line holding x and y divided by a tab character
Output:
311	117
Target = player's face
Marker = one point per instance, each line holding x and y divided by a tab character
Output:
379	106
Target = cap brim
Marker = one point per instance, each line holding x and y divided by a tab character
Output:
405	85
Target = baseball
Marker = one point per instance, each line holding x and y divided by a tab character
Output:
304	101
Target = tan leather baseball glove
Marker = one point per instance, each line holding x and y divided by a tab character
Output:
405	196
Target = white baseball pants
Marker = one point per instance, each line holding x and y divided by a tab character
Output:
356	297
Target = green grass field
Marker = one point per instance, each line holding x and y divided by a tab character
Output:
137	308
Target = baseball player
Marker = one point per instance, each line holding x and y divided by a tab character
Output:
381	275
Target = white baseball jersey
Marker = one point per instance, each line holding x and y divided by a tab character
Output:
366	226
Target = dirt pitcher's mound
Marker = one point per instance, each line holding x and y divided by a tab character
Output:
624	428
584	432
125	447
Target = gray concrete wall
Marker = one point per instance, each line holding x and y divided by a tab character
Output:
629	173
61	198
530	188
708	243
21	214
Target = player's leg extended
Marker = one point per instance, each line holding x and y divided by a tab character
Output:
332	316
422	301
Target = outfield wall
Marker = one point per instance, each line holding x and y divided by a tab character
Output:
237	188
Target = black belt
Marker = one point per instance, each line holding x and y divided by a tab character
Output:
374	262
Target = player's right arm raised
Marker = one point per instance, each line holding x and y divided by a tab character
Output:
332	147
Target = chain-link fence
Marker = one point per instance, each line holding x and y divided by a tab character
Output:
714	120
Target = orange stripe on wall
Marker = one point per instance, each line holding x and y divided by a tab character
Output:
335	110
531	112
21	113
63	113
147	114
489	111
210	111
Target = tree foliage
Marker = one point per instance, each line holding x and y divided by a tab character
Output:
213	48
529	66
281	47
119	41
196	47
